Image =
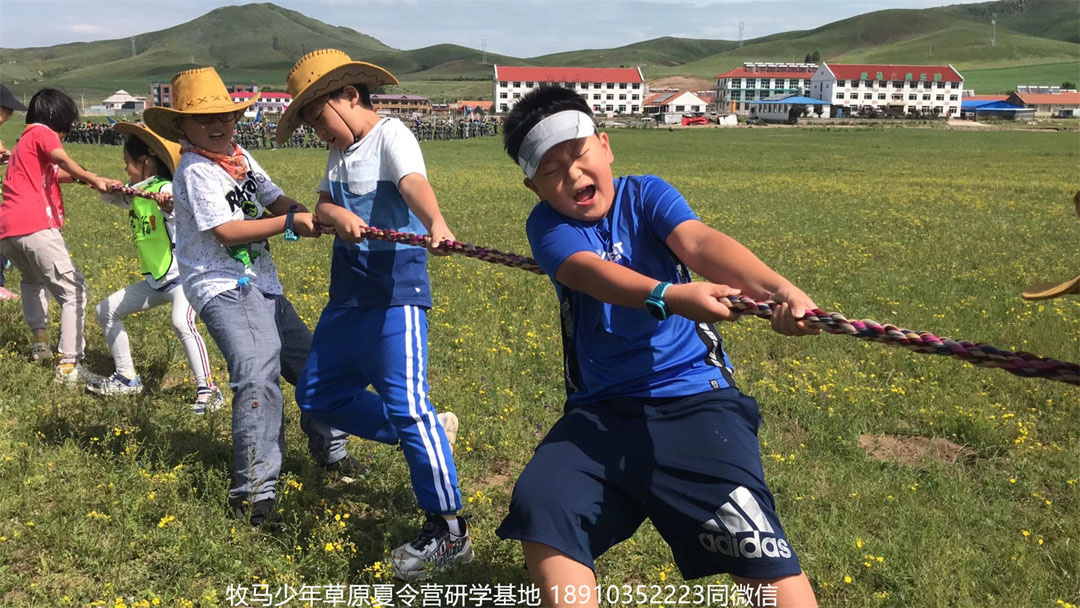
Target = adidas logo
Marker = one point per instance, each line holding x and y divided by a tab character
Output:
740	529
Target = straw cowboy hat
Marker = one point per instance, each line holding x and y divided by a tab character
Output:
165	151
199	91
1046	291
322	72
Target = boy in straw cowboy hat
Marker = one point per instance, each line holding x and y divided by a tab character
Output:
150	161
379	294
226	208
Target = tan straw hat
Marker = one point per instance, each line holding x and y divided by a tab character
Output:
198	91
1046	291
166	151
322	72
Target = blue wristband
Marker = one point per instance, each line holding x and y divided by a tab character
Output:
290	235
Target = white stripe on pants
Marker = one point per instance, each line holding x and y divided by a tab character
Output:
142	296
43	259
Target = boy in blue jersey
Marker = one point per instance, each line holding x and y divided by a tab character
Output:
654	426
374	328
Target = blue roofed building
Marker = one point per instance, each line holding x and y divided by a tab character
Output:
788	108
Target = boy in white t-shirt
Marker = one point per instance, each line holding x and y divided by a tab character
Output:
379	295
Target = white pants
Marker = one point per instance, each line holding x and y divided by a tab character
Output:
139	297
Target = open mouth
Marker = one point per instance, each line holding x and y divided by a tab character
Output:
585	195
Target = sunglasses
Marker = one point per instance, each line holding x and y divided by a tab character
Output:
206	119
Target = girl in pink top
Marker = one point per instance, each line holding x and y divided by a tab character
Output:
31	215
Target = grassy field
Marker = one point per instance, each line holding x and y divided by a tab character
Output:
123	501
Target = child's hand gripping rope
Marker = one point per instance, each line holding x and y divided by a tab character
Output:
978	354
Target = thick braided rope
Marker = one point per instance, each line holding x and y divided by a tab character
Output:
980	355
486	254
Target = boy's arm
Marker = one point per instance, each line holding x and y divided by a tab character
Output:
346	224
420	198
70	171
239	232
609	282
721	259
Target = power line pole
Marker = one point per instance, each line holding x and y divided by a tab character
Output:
132	46
993	29
483	45
741	25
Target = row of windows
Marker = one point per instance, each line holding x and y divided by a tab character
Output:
634	109
762	94
737	83
897	84
570	85
899	96
595	96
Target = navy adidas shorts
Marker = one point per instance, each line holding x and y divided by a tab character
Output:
691	465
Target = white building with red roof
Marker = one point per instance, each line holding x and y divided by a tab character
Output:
269	102
608	91
738	88
890	89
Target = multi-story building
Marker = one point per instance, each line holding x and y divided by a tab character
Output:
269	102
736	89
401	104
888	89
608	91
160	94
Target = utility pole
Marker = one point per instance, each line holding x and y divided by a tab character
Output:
83	102
741	25
132	46
483	46
993	29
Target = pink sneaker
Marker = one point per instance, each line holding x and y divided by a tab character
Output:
7	295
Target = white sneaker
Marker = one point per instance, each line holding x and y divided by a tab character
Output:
449	424
40	351
207	399
74	374
435	549
116	384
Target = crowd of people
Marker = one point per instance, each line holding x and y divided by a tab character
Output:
259	135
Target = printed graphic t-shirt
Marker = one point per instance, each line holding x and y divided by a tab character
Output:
204	197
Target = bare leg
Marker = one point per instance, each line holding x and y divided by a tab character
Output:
550	568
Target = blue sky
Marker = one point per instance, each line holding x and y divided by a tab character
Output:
521	28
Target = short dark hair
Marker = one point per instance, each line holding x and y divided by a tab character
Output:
534	107
365	95
54	109
137	148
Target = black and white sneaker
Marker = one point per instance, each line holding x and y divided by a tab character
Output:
435	549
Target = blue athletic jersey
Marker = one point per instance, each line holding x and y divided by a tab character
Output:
615	351
364	179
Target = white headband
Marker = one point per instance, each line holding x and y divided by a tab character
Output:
550	132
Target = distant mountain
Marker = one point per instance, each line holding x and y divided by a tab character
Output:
1029	32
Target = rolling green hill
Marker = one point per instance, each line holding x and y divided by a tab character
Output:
1036	40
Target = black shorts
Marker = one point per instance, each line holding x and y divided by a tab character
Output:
691	465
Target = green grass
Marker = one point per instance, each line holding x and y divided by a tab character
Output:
1002	80
927	229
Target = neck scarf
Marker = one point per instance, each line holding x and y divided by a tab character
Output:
234	164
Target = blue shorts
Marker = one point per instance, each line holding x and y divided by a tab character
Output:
690	464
